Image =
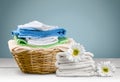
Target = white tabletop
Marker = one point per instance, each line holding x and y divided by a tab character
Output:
10	71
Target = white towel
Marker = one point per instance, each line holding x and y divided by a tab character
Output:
42	41
67	61
79	73
63	54
74	66
37	25
62	57
63	63
74	63
87	69
76	71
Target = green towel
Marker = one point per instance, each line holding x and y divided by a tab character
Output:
20	41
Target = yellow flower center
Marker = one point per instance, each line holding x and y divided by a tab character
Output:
105	69
75	52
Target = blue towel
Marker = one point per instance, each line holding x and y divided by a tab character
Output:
33	32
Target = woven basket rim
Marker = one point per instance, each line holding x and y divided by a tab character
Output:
12	44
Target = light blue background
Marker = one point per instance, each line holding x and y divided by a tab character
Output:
93	23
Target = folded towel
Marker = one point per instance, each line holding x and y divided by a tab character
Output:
85	67
75	66
75	63
38	25
21	41
42	41
75	71
62	47
61	43
72	74
62	55
33	32
66	61
62	58
88	69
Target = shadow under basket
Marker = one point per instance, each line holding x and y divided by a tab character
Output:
34	60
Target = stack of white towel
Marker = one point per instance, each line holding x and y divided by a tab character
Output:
85	67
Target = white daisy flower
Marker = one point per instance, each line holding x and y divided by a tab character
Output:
105	68
75	52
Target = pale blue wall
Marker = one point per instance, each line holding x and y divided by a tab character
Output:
93	23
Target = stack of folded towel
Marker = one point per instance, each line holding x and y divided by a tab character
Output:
36	33
85	67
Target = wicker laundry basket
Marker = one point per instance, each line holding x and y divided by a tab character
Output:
34	60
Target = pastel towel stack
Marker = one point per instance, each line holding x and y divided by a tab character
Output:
86	67
36	33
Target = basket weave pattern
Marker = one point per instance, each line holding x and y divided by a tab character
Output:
35	61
